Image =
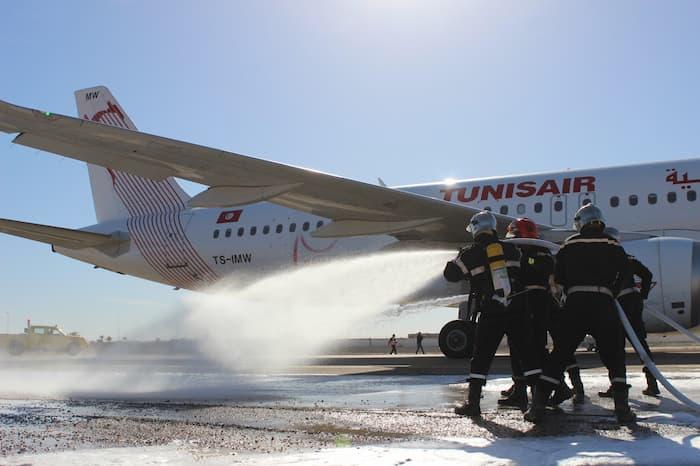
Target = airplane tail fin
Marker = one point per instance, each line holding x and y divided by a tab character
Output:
116	194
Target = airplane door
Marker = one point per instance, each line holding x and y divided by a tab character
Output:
174	240
586	198
183	264
558	210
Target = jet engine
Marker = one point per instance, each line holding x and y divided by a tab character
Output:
675	292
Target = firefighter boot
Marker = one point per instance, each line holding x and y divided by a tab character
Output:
471	407
538	409
508	391
652	387
575	376
561	394
622	408
607	393
518	398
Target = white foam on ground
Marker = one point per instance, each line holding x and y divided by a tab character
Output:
642	446
270	323
563	451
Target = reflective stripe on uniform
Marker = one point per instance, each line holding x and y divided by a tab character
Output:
458	262
535	287
512	263
478	270
570	366
532	372
619	380
592	240
549	379
626	291
477	376
589	289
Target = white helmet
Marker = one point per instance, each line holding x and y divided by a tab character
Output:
587	215
483	222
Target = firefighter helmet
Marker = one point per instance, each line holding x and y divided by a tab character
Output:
589	215
522	228
483	222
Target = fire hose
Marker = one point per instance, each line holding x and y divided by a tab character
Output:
651	367
674	324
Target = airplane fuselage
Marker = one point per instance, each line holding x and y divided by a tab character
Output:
192	248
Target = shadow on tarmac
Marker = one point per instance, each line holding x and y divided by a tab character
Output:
440	365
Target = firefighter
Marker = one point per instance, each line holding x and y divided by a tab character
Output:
493	270
632	301
536	266
590	266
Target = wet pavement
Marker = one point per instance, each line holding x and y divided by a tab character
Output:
334	410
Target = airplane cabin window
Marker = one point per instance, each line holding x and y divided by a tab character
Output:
614	201
305	226
487	208
538	207
652	198
241	230
319	224
216	234
558	205
253	230
228	233
504	210
521	209
266	229
586	202
633	199
671	197
691	195
279	228
292	227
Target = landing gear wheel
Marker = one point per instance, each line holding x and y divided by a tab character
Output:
457	339
16	348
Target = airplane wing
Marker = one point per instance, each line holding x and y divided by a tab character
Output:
62	237
356	208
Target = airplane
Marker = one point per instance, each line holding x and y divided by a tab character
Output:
258	216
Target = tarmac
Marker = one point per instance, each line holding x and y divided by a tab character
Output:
335	409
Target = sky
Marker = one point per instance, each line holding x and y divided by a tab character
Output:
409	91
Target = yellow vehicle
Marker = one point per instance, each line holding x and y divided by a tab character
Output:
42	338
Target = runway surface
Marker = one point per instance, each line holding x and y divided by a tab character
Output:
330	410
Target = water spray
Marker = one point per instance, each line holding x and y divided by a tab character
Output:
274	322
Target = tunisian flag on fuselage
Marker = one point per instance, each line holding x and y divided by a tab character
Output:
229	216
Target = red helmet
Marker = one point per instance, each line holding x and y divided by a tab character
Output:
522	228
